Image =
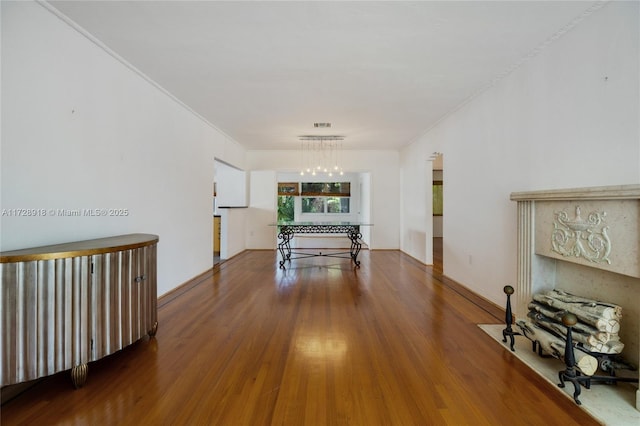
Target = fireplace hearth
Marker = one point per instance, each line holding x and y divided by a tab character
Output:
585	241
550	326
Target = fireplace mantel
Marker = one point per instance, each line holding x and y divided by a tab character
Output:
616	192
585	241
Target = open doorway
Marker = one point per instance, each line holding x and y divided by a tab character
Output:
229	198
217	221
438	212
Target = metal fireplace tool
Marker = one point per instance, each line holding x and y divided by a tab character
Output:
606	362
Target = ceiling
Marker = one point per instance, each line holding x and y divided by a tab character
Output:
382	73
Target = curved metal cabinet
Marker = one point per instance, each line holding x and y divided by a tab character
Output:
69	304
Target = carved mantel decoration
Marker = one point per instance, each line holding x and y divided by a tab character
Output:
581	238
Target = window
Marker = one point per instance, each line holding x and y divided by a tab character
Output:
321	205
326	197
318	198
338	205
313	204
338	189
288	188
286	208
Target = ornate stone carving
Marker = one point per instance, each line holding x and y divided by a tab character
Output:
581	238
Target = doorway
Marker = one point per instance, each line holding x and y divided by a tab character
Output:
438	212
217	221
229	195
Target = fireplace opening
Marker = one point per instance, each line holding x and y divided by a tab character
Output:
585	241
582	332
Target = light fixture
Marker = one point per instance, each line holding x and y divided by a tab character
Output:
320	154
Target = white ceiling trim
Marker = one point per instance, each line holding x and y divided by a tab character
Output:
385	73
129	65
535	52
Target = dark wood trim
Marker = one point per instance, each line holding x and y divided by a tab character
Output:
294	186
488	306
183	288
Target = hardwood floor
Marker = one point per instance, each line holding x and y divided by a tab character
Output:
320	343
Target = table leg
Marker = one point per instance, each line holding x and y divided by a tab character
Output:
284	246
355	238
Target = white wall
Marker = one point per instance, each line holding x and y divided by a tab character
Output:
82	130
365	206
232	231
263	195
416	205
231	186
567	118
384	171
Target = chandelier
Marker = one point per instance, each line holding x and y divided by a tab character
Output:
321	155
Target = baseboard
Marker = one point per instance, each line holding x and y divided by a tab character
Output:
7	393
491	308
494	310
178	291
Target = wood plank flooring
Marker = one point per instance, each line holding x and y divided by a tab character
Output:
319	343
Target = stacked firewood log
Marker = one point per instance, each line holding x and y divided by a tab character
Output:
596	331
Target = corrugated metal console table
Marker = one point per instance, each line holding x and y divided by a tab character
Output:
66	305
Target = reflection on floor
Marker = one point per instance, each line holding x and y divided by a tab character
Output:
437	254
